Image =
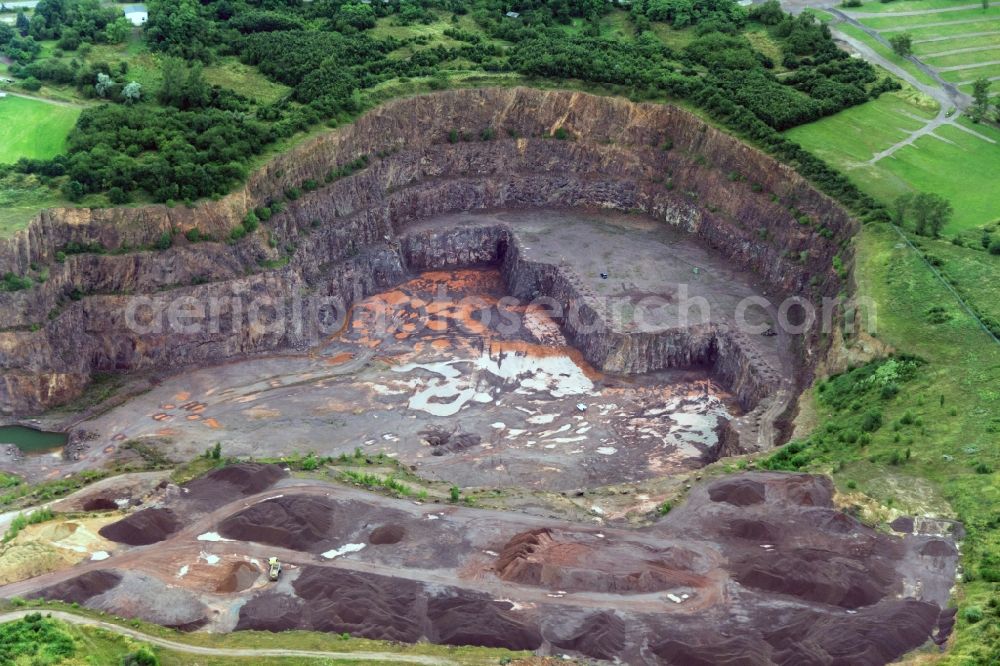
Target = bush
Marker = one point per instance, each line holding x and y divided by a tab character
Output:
995	246
972	614
13	282
144	656
118	196
164	242
193	235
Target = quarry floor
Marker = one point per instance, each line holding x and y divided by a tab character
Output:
438	359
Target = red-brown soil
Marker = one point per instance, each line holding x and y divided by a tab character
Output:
539	557
387	534
241	576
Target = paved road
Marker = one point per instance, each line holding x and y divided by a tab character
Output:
386	657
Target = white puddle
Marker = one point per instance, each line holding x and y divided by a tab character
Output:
182	571
209	558
453	388
607	450
99	555
343	550
211	536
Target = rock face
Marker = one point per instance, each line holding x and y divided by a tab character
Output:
350	237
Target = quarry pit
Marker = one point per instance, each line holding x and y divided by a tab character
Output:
523	314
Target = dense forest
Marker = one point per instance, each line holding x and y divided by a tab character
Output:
189	139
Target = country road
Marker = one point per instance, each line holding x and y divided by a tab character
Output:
185	648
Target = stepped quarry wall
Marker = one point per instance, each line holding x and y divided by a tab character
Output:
350	238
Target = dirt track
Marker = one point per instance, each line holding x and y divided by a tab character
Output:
185	648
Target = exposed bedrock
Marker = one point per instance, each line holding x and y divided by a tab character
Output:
348	239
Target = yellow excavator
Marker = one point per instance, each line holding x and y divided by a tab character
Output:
273	568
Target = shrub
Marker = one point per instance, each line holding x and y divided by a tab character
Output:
455	493
995	246
164	242
250	222
193	235
144	656
13	282
972	614
263	213
118	196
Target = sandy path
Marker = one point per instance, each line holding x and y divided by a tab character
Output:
229	652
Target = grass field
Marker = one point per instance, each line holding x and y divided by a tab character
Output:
975	272
959	166
876	7
955	42
900	23
32	128
954	404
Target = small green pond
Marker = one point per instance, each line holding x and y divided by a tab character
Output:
30	440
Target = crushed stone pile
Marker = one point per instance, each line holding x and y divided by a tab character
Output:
81	589
143	527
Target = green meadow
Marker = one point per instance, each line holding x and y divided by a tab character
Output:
956	164
33	128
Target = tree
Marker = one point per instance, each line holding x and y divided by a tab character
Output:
359	16
902	44
902	205
980	99
22	24
104	84
132	92
118	31
177	27
931	213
